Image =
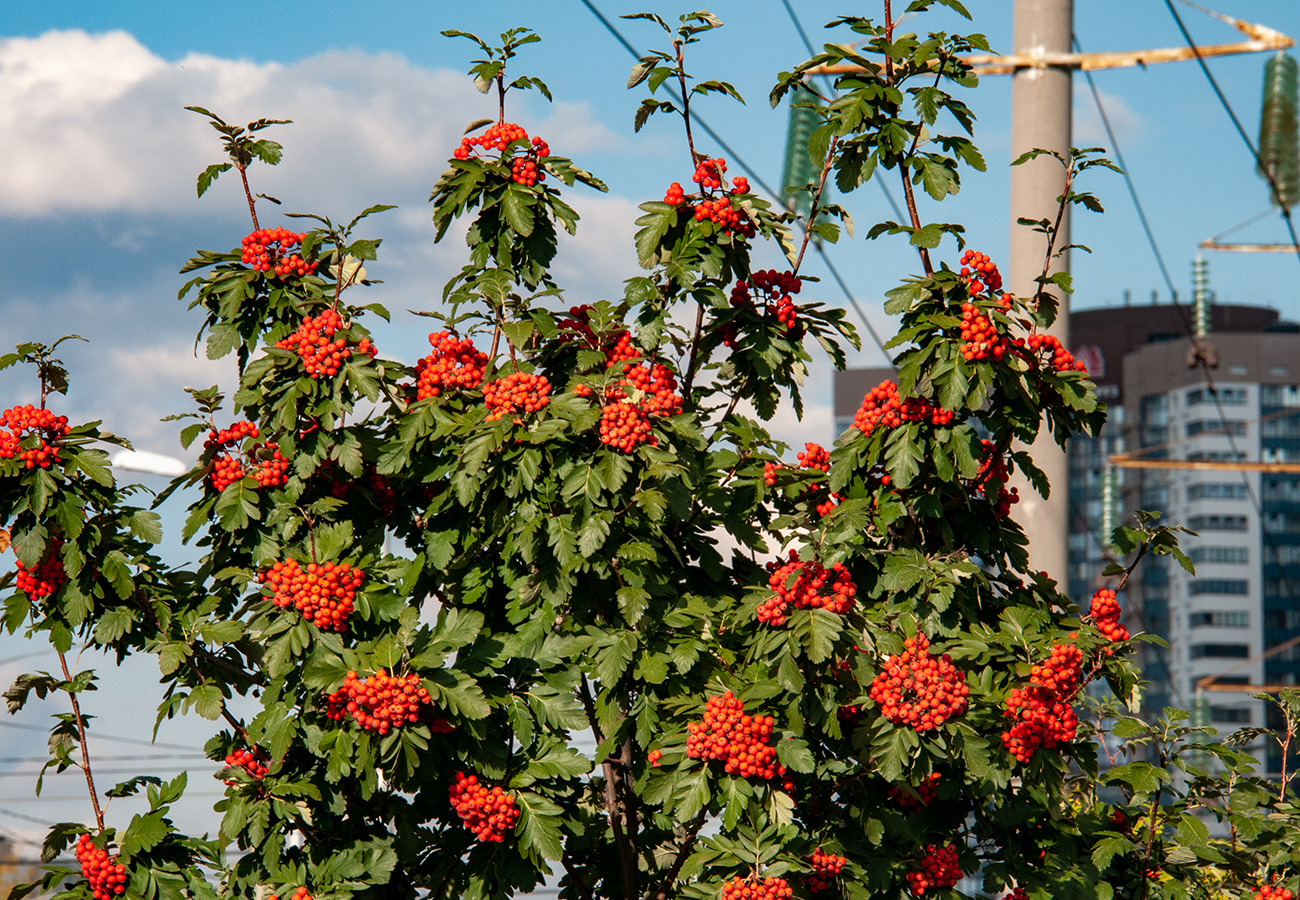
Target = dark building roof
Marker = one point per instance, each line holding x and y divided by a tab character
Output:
1101	337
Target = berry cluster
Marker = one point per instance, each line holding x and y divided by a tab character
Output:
939	869
21	419
814	456
1105	613
380	487
728	733
675	194
488	812
299	894
653	757
322	593
523	169
623	426
980	338
918	688
806	585
883	407
774	289
244	759
266	251
1041	711
262	461
322	353
517	392
1050	352
753	889
382	702
769	473
710	173
107	877
454	364
48	575
979	272
1273	892
920	795
720	212
991	481
825	869
1016	893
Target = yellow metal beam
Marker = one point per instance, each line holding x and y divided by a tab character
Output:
1124	461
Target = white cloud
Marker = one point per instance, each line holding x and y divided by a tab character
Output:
96	123
1090	131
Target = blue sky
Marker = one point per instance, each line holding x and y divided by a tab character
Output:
97	204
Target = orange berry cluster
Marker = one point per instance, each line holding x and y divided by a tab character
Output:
1050	351
882	407
654	756
299	894
979	272
775	289
454	364
918	688
20	419
925	792
623	426
107	877
825	869
322	593
720	212
265	250
48	575
488	812
1273	892
244	759
1016	893
814	456
1105	613
382	702
1041	711
753	889
991	481
710	173
263	461
675	194
806	585
322	353
380	488
728	733
769	473
500	137
517	392
980	338
939	869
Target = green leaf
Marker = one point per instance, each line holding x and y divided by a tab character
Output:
144	833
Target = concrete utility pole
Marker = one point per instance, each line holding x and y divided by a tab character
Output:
1041	117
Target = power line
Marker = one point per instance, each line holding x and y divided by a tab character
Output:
77	771
1128	180
753	174
108	737
1259	164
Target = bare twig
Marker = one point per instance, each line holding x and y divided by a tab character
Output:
688	844
686	102
81	740
252	206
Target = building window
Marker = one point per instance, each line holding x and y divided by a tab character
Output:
1279	395
1280	490
1281	556
1155	419
1237	586
1219	619
1227	396
1235	715
1234	427
1281	619
1287	426
1216	456
1220	651
1216	491
1229	555
1217	523
1281	523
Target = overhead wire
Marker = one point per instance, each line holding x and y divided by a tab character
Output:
108	737
754	175
1223	100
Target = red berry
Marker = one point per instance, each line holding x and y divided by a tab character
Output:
738	740
918	688
488	812
383	702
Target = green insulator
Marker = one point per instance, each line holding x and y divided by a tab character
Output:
799	169
1279	140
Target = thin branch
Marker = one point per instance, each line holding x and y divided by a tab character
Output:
686	103
569	867
81	740
689	380
908	194
688	844
252	206
816	205
1056	228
